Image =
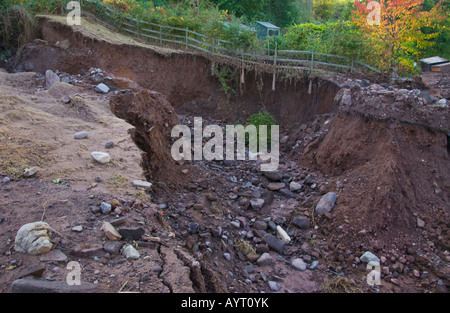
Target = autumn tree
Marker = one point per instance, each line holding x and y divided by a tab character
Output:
397	38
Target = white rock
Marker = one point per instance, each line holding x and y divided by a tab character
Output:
102	88
443	103
284	236
299	264
274	285
293	186
143	184
130	252
257	203
81	135
369	257
77	229
30	171
33	238
101	157
265	259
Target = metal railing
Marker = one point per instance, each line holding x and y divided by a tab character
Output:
273	60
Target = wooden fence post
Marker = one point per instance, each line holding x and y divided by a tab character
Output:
187	35
312	61
160	34
275	66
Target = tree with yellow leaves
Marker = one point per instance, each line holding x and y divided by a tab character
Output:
393	28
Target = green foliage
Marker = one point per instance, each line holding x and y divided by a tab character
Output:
262	118
17	26
228	79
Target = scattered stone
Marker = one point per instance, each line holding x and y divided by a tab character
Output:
257	203
369	257
130	252
77	229
293	186
301	222
274	285
65	99
29	172
36	271
272	225
101	157
50	79
95	209
54	256
110	231
395	281
420	223
274	175
276	186
227	256
299	264
26	285
287	193
131	233
326	203
109	145
284	236
33	238
81	135
6	180
314	265
347	97
193	227
443	103
112	247
274	243
105	208
84	251
235	224
142	184
426	95
260	225
265	260
101	88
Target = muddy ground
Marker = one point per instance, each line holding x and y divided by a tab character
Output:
382	148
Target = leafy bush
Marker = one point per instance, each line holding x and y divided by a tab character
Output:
17	27
261	118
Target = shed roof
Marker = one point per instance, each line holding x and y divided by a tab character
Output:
267	25
433	60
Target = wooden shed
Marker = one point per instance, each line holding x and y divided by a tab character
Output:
428	63
266	29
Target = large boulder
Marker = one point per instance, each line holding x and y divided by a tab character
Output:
33	238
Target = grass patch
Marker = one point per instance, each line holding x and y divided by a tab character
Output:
118	181
244	247
19	153
339	284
